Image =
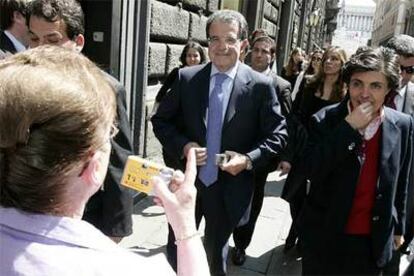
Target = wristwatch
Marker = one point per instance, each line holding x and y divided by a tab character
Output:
249	163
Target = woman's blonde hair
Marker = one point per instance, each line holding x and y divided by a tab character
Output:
56	107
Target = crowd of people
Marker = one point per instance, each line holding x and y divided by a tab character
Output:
341	128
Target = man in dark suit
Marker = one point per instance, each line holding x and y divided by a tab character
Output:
358	161
13	29
222	107
261	57
403	100
110	209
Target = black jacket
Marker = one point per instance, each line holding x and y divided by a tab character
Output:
332	167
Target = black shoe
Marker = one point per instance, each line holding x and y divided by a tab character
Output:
290	242
238	257
288	246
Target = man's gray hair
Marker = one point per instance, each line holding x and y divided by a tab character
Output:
403	45
229	17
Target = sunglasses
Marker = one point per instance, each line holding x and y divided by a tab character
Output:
408	69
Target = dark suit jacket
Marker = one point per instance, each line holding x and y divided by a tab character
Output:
115	202
6	45
252	125
333	165
408	108
283	91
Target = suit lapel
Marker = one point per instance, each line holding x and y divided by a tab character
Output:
389	132
239	87
409	99
202	87
6	44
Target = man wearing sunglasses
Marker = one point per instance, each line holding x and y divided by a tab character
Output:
403	101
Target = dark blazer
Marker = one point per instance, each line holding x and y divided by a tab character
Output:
6	45
252	125
333	165
408	108
114	204
283	91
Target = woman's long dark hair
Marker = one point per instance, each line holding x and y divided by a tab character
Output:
193	45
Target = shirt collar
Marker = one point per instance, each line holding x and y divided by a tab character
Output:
231	73
17	44
401	92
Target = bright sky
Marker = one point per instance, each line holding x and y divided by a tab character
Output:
369	3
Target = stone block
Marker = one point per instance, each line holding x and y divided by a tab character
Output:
274	14
212	5
172	2
276	3
169	23
266	9
198	27
195	5
156	60
173	56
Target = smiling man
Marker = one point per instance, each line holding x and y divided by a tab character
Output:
61	23
222	107
262	55
358	162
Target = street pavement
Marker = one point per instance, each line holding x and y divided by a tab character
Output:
264	255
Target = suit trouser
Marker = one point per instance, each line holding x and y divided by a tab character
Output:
296	205
242	235
346	255
218	228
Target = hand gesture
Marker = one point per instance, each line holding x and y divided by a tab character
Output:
178	198
284	167
200	153
361	116
237	162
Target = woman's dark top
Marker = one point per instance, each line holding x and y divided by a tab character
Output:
292	78
167	84
306	105
310	105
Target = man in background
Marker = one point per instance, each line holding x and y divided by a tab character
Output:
262	55
61	22
14	36
403	101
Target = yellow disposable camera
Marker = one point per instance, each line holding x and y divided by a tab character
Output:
138	173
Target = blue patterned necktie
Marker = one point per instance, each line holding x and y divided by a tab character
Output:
208	172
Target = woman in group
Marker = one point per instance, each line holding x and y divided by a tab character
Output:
193	54
357	163
324	88
312	70
54	152
292	69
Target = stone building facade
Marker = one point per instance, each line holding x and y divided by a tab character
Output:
355	22
392	17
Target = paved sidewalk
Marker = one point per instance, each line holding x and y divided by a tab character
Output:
264	255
